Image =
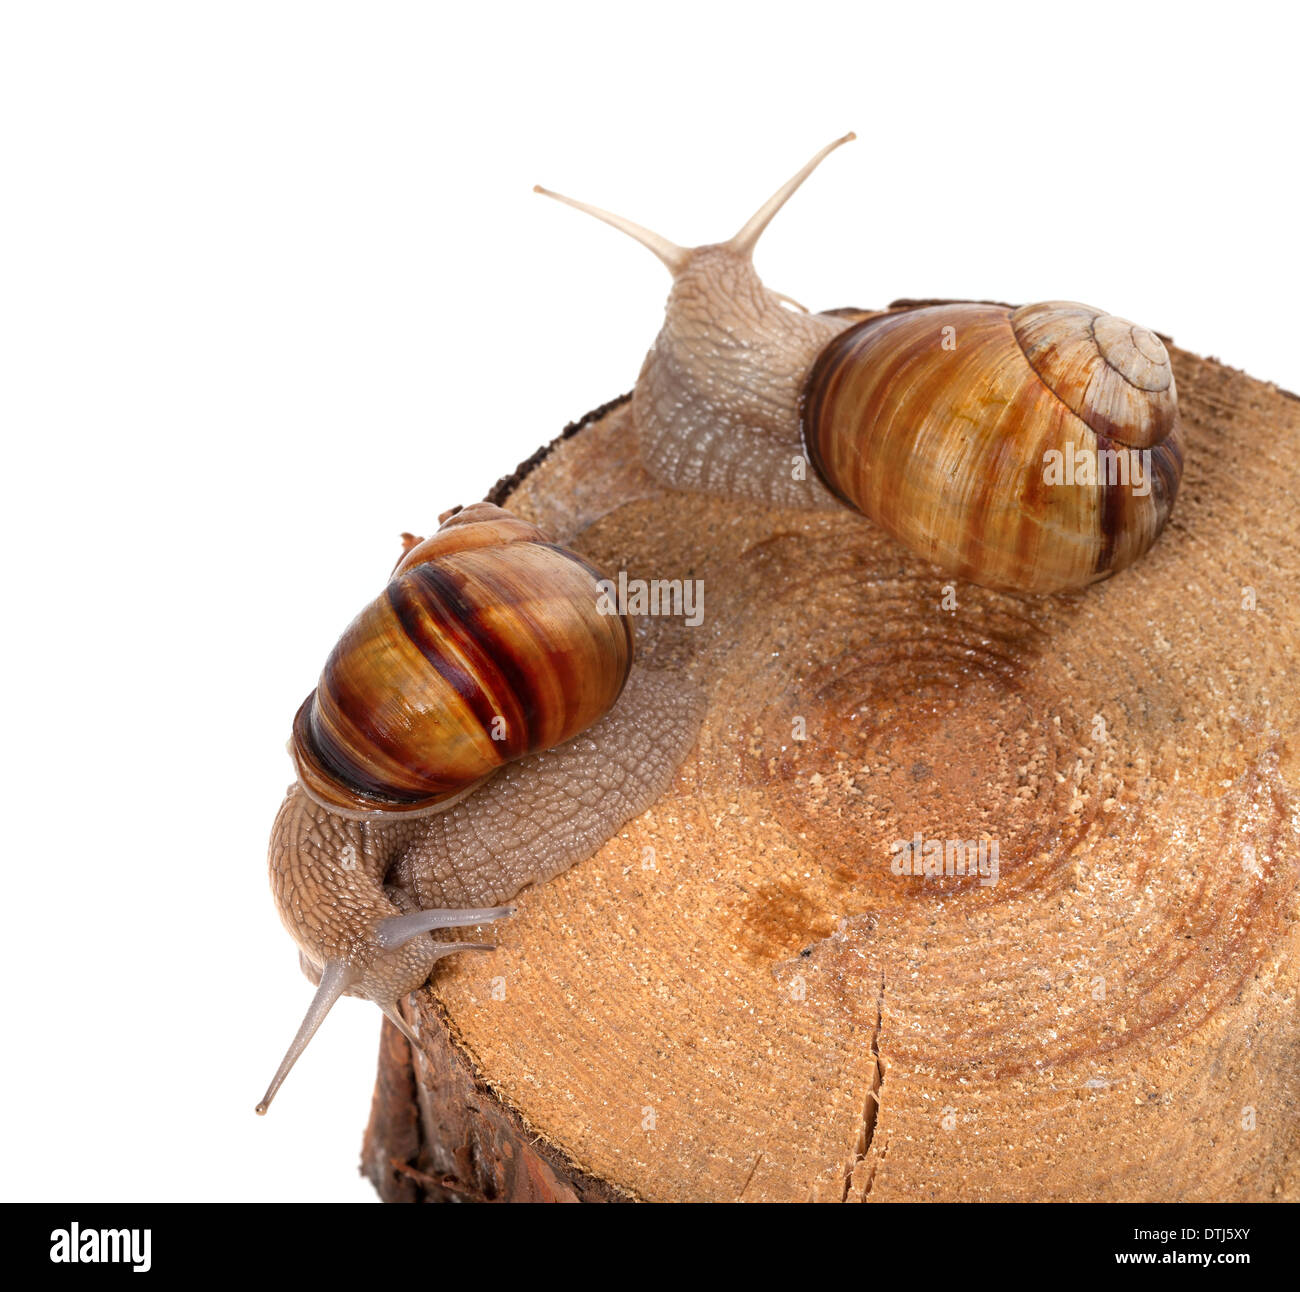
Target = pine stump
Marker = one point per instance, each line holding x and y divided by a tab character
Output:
739	998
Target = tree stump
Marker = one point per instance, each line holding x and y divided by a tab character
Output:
739	998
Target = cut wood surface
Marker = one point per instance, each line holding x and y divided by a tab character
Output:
738	998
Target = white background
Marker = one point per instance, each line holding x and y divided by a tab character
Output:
273	288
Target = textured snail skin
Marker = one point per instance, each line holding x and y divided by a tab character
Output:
534	819
944	447
363	891
716	406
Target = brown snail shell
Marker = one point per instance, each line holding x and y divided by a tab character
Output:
938	424
487	644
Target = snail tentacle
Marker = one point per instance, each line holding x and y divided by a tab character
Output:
335	979
398	930
394	1016
673	256
743	243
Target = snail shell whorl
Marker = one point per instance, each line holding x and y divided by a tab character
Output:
945	446
487	644
1114	374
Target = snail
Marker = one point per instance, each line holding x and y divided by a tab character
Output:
479	727
955	427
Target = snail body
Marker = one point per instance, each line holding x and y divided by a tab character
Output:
946	425
480	727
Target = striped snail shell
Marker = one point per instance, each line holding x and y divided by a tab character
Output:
997	443
958	428
487	644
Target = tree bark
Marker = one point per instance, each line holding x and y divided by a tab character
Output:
738	998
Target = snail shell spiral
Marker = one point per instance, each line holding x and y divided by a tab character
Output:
940	424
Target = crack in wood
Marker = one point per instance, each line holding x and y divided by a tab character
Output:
870	1105
749	1179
